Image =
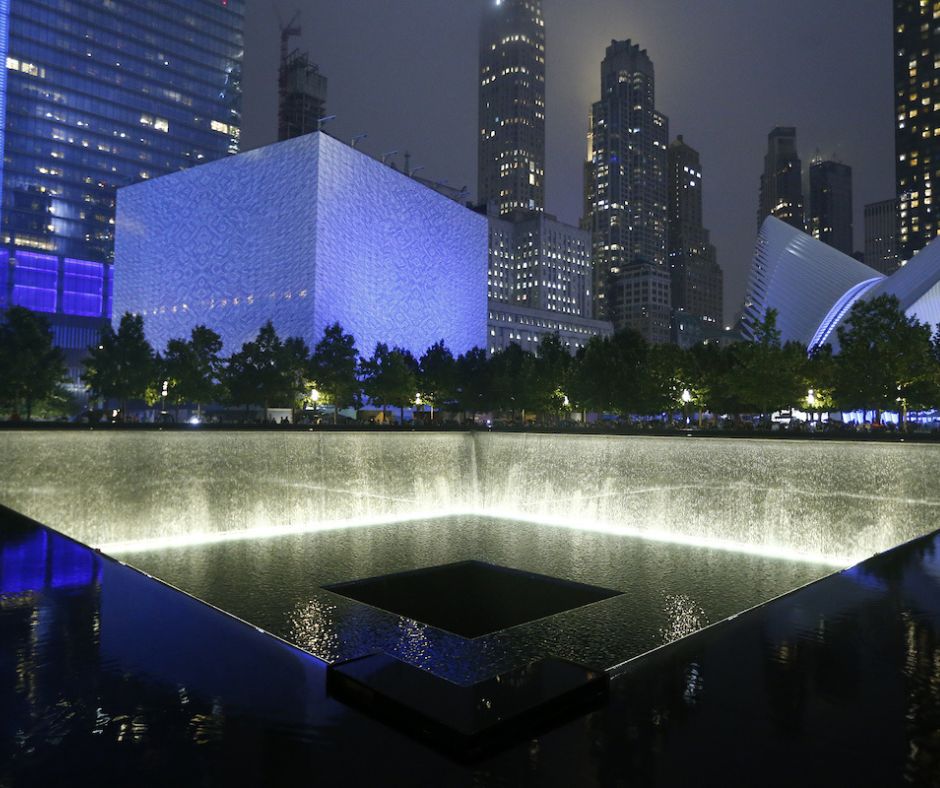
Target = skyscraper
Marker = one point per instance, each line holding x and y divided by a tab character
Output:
696	278
881	236
512	106
626	194
781	185
830	204
98	96
917	121
302	96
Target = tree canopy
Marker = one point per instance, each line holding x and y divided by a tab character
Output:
123	365
31	368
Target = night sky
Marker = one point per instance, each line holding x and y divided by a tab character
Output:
727	71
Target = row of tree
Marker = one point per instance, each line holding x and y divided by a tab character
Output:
887	362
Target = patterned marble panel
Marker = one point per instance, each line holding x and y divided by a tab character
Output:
304	233
413	262
229	244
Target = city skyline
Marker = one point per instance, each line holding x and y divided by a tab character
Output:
425	100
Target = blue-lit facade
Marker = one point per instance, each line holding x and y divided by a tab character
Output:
4	40
304	233
95	96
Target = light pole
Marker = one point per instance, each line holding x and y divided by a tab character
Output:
355	140
686	399
387	155
163	394
323	120
315	398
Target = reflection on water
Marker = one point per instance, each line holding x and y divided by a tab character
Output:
683	615
108	678
669	590
312	626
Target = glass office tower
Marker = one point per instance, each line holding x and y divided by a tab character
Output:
100	94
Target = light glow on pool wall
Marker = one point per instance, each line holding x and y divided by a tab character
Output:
305	233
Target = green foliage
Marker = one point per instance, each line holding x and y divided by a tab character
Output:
31	369
123	366
192	367
886	359
473	382
390	377
551	377
268	371
512	380
437	376
334	368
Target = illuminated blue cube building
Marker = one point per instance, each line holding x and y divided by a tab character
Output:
304	233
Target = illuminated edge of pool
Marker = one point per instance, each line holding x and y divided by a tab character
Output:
646	534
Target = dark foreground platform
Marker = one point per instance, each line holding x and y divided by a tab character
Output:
109	677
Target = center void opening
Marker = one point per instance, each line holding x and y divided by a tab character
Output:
471	598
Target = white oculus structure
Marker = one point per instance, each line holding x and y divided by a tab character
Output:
813	286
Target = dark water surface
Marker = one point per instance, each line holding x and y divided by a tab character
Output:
668	590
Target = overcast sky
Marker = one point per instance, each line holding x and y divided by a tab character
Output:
727	71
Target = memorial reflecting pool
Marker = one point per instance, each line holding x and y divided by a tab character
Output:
668	590
690	531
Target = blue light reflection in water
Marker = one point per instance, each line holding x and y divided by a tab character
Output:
44	560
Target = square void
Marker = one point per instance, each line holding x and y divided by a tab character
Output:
471	598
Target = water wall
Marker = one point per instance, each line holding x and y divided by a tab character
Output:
839	501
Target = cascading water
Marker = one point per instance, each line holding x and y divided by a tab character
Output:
831	501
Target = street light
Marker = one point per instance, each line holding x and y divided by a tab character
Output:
387	155
324	119
163	394
355	140
686	399
315	398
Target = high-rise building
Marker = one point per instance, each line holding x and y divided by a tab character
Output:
696	277
541	263
881	236
830	204
917	122
626	194
302	96
512	106
98	96
781	185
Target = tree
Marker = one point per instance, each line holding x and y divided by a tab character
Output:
473	382
591	386
390	377
819	381
192	367
671	384
769	377
122	366
886	359
512	380
31	369
631	387
267	371
437	376
334	368
552	372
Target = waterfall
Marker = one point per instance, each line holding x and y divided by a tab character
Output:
832	501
